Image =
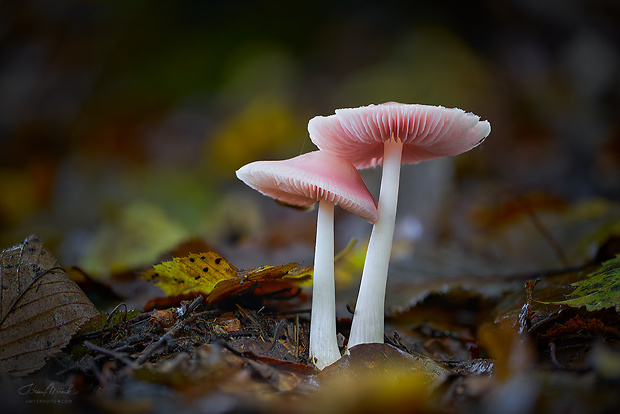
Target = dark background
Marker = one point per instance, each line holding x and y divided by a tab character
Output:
122	123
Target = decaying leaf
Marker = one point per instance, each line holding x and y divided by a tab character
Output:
600	290
206	364
193	273
282	375
210	274
40	307
262	280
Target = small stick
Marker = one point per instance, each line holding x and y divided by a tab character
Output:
181	322
277	332
109	319
193	305
296	336
121	356
251	317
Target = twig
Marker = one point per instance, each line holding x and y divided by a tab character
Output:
109	319
296	336
121	356
181	322
148	352
238	334
277	332
193	305
135	321
263	333
225	345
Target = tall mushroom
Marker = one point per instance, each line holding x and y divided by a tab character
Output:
390	134
302	181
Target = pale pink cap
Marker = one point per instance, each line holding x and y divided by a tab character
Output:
427	132
308	178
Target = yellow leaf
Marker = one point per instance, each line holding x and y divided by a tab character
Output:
194	273
210	274
600	290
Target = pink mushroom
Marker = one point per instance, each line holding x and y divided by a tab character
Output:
390	134
302	181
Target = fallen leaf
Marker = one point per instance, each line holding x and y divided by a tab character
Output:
599	290
532	329
282	377
578	324
263	281
206	364
226	323
40	307
198	272
258	348
213	276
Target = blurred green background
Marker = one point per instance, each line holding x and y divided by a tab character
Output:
122	122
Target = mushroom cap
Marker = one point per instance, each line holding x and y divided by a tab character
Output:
311	177
427	132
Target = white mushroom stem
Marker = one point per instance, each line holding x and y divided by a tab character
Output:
368	324
323	342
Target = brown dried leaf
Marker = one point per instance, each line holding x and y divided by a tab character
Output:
40	307
282	380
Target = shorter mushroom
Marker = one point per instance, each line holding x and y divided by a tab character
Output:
302	181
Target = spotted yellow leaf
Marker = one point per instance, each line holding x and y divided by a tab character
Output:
210	274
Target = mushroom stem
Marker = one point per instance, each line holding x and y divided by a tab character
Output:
323	342
368	325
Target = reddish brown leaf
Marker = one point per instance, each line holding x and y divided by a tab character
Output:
210	275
